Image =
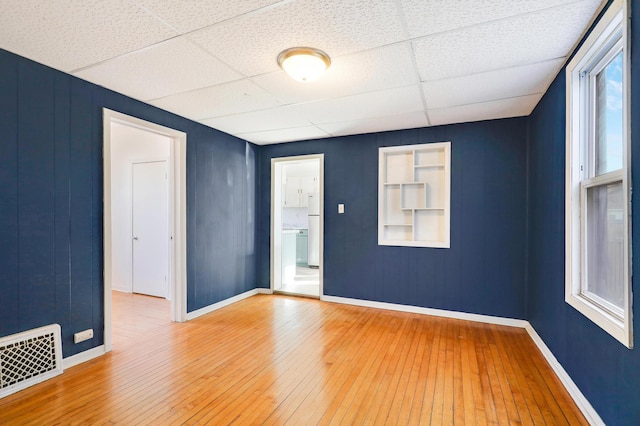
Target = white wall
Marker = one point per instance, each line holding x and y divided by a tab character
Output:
301	168
128	145
295	217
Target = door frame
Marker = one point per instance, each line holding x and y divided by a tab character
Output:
177	182
276	200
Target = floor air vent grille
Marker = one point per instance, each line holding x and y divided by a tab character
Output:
29	358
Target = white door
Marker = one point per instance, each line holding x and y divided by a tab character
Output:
150	230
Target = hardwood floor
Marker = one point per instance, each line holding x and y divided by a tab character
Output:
284	360
134	315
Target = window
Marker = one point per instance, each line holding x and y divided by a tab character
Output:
598	217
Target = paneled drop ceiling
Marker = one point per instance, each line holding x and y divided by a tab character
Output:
396	64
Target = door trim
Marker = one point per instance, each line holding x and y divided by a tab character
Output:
272	258
177	214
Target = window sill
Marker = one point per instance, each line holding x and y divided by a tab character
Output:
602	318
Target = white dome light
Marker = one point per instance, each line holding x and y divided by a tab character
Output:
304	64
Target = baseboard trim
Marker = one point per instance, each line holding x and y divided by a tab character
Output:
264	290
79	358
207	309
581	401
427	311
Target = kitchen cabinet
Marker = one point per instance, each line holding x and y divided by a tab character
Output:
288	255
414	195
302	238
297	190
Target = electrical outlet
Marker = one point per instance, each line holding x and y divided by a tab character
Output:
340	208
83	335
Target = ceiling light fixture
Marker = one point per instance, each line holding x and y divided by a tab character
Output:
304	64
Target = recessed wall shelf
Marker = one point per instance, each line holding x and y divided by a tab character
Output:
414	195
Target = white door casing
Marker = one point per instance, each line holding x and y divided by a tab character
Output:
278	189
177	177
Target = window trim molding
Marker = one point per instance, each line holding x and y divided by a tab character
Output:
615	16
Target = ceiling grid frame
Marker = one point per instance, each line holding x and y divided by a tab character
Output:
382	55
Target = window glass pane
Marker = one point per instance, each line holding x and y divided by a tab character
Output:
605	242
608	136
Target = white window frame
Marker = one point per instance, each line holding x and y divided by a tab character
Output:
580	170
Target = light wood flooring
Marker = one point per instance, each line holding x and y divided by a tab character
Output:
285	360
306	282
134	315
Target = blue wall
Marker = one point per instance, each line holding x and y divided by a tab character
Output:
606	372
484	270
51	255
507	221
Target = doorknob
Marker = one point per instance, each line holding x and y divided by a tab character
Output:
135	238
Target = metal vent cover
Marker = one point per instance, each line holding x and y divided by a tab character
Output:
29	357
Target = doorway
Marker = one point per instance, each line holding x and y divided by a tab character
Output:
297	218
149	151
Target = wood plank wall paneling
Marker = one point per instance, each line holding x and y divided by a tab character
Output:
9	270
488	220
606	372
283	360
51	194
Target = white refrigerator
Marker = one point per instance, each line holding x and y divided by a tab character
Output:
314	231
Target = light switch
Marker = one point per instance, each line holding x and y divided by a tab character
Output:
340	208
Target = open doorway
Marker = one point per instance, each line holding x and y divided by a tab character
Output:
144	225
297	225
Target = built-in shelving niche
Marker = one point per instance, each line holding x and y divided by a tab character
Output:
414	194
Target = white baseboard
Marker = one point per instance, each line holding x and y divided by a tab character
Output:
221	304
264	290
427	311
581	401
81	357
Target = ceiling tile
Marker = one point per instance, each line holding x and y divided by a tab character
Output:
361	106
170	67
462	60
225	99
267	119
536	37
284	135
251	43
68	35
191	15
504	108
492	85
375	69
425	17
409	120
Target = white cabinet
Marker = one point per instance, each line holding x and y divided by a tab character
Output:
292	192
414	195
302	247
297	190
288	255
